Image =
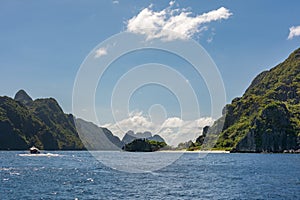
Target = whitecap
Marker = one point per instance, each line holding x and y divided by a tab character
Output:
6	169
14	173
40	155
90	179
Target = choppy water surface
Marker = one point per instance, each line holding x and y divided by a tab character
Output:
71	175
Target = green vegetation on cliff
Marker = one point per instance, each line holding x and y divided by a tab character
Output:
144	145
267	117
42	123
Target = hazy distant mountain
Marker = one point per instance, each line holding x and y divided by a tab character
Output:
267	117
130	136
42	122
96	138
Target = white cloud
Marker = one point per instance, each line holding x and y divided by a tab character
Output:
209	40
211	37
115	2
174	130
100	52
294	32
171	24
171	3
173	122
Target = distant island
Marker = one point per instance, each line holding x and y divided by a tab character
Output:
130	136
266	118
142	142
144	145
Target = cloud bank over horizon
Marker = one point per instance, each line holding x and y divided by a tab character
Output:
173	23
174	130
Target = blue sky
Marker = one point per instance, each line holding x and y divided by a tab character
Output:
43	43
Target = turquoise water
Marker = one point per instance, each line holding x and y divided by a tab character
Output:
78	175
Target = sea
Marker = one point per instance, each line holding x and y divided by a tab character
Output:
80	175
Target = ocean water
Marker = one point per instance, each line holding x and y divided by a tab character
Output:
78	175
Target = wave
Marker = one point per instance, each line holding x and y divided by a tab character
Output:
41	155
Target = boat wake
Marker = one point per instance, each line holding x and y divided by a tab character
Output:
40	155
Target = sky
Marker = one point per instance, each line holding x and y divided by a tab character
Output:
44	43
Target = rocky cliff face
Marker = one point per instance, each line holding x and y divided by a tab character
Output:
267	117
272	131
22	97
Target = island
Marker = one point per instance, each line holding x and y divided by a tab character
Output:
144	145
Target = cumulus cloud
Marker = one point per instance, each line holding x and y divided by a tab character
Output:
294	32
136	122
171	24
100	52
174	130
173	122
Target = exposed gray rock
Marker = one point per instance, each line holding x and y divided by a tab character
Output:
130	136
22	97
